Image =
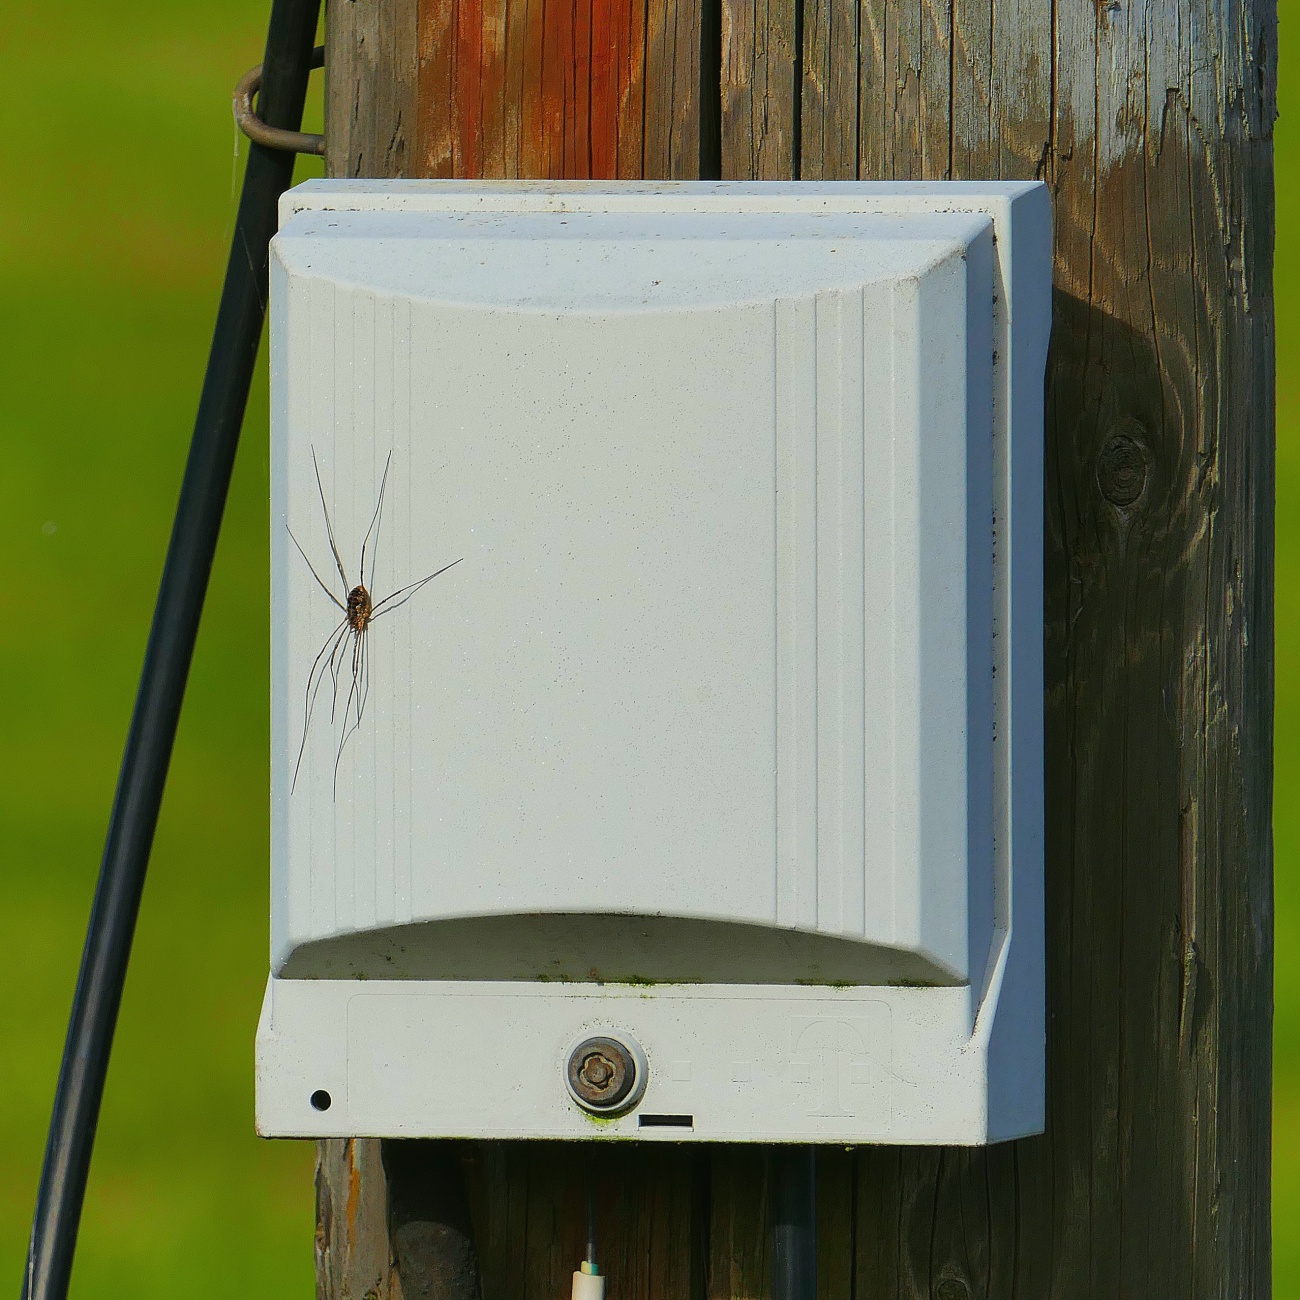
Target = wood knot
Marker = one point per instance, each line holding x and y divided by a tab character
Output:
952	1288
1122	467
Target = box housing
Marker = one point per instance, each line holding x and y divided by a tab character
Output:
723	732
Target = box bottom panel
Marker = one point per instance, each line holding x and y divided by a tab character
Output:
728	1063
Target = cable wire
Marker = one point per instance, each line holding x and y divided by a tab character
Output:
793	1182
136	803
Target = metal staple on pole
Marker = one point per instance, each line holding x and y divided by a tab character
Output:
273	137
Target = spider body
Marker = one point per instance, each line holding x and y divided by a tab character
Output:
345	653
360	611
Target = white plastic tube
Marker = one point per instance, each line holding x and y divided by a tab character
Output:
588	1284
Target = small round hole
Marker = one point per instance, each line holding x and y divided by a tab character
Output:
321	1099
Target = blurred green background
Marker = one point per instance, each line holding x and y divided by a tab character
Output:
120	165
119	192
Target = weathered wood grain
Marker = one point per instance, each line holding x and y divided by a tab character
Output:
509	88
353	1258
393	1221
1153	1177
829	93
1152	122
529	1209
759	70
370	87
738	1237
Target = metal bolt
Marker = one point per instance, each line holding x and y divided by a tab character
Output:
597	1071
601	1074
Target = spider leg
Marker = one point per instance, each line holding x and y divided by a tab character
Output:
334	676
358	654
309	695
365	675
314	574
339	642
353	692
385	606
374	528
329	527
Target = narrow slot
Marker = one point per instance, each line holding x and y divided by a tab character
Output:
710	19
666	1121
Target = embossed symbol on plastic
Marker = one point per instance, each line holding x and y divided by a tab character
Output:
835	1071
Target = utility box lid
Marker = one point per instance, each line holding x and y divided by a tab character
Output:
728	678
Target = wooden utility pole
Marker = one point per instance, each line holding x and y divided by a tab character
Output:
1152	122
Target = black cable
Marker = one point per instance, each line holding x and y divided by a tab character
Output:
589	1178
143	774
792	1183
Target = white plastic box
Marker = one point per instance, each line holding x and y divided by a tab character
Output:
721	736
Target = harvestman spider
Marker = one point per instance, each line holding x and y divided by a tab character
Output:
359	612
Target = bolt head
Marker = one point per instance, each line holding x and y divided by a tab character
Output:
602	1074
597	1071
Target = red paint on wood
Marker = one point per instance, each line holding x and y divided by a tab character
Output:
532	160
467	97
539	88
610	69
435	84
632	92
492	100
557	58
578	134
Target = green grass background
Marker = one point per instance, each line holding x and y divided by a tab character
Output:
116	204
118	192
